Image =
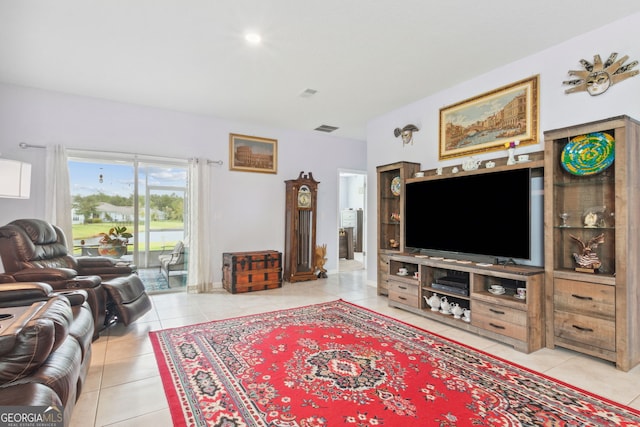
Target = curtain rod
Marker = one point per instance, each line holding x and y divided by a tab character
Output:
24	146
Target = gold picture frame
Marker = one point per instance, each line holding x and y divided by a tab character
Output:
488	121
253	154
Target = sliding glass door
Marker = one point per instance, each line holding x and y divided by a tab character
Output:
161	210
145	195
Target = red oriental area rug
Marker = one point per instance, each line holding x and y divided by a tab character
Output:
337	364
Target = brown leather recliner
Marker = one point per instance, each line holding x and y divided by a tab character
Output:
33	250
45	346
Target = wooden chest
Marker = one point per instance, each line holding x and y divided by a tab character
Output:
251	271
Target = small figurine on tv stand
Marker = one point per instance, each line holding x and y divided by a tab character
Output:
588	261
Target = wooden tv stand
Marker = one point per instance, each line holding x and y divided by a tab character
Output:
505	318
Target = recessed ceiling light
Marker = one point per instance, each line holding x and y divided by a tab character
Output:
253	38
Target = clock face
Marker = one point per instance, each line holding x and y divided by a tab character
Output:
304	197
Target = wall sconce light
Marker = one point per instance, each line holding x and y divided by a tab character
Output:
15	179
406	133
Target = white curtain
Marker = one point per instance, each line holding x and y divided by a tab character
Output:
198	240
58	192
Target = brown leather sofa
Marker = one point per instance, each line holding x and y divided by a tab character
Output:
33	250
45	346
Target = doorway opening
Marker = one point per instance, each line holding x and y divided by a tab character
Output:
352	190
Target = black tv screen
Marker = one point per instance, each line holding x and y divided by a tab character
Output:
485	214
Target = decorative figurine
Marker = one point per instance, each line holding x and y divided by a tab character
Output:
321	259
591	220
588	260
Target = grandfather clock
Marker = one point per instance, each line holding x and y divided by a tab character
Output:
300	228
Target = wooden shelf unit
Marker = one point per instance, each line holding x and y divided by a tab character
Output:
391	230
513	321
594	313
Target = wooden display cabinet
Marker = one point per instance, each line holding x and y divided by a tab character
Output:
391	181
594	310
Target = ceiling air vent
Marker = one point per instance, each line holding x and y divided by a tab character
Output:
308	93
326	128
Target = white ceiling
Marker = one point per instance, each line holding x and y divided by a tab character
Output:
364	57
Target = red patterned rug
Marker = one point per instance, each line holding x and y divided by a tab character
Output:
337	364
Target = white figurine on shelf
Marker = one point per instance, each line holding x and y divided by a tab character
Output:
591	220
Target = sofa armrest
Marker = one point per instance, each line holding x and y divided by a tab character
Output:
58	278
84	282
44	275
6	278
104	267
21	293
95	261
26	293
76	297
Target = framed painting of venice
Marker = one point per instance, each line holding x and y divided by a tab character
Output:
489	121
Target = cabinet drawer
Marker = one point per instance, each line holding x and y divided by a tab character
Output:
404	293
403	298
585	330
501	320
587	299
404	288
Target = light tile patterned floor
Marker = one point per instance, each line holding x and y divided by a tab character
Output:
123	387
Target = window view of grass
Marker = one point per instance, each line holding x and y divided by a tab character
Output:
90	233
103	197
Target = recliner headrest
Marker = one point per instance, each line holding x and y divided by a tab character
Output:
40	232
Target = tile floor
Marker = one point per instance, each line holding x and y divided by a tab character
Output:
123	387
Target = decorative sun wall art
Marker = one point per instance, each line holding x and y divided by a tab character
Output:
598	77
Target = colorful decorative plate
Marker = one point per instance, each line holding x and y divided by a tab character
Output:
395	186
588	154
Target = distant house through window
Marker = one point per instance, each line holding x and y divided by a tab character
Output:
145	195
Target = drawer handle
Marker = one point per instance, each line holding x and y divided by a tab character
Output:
496	311
402	287
402	298
496	326
580	328
581	297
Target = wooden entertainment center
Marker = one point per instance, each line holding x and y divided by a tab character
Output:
593	311
518	322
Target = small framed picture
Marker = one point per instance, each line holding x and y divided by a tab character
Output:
253	154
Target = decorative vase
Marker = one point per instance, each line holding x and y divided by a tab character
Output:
112	251
512	158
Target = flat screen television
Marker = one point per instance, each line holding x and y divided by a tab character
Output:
486	214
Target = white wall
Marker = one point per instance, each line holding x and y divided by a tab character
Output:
248	211
557	109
